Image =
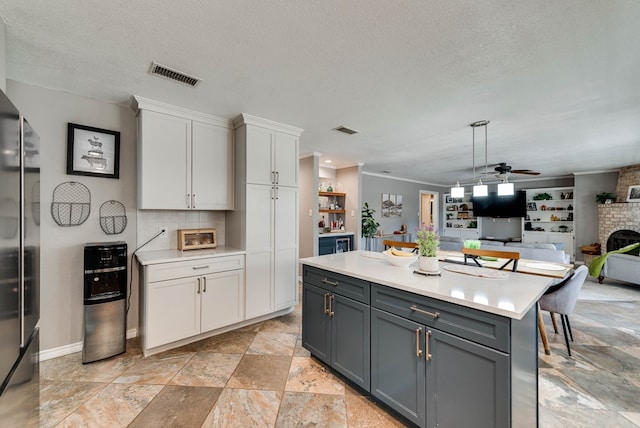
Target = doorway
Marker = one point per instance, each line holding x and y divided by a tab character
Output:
429	208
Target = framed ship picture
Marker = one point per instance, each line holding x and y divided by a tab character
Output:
93	151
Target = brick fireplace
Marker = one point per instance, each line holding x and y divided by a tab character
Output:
614	217
621	215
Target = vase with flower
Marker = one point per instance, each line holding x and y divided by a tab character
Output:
428	242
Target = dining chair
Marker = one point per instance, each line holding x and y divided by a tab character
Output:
400	244
561	299
475	253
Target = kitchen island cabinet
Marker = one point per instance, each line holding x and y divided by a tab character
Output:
336	323
454	350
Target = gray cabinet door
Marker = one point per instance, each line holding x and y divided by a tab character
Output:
398	364
316	324
467	383
350	340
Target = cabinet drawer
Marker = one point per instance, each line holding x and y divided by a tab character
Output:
182	269
356	289
477	326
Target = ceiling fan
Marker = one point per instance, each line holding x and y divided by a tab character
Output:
504	170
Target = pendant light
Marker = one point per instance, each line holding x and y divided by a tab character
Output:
457	191
505	188
480	190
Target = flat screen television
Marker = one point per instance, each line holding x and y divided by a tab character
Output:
500	206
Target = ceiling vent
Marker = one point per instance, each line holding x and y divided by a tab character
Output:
175	75
345	130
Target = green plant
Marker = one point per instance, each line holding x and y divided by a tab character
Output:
428	241
542	197
369	223
602	197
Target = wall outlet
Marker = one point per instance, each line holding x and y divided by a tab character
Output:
164	232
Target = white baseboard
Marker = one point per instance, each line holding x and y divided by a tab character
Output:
73	348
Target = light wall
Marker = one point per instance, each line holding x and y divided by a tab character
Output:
49	111
308	203
373	186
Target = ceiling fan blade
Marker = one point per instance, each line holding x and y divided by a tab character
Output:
524	171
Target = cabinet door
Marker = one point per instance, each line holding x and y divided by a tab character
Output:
452	232
316	324
164	161
469	233
286	159
467	384
568	241
222	299
285	247
259	153
259	247
398	365
350	340
173	310
212	168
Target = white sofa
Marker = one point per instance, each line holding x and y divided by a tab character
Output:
623	267
533	251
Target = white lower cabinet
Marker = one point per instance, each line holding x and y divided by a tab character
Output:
185	299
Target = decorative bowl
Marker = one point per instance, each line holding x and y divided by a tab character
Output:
400	261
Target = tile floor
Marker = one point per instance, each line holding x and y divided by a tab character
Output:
261	376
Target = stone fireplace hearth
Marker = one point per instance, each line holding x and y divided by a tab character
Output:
615	217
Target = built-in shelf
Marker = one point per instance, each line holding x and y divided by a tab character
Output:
333	211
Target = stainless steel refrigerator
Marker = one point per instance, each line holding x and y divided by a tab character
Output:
19	268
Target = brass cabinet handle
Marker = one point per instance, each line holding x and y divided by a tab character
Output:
421	311
427	335
326	310
188	200
193	205
418	350
326	281
276	189
198	286
277	177
273	177
204	284
331	299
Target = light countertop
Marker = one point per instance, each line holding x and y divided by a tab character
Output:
339	233
168	256
511	297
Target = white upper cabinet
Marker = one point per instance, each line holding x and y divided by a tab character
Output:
272	157
185	159
211	167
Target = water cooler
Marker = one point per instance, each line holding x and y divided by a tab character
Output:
105	298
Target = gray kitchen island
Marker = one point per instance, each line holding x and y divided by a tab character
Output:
455	350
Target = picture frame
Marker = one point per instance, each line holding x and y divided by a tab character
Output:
93	151
448	199
633	194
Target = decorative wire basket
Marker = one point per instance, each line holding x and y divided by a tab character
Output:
113	217
71	204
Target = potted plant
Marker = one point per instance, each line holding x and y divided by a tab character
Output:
603	197
428	242
369	225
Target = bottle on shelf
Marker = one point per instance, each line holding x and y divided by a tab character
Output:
330	188
321	222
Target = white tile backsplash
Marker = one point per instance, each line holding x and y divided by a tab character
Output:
150	221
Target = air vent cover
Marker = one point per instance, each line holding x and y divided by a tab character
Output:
175	75
345	130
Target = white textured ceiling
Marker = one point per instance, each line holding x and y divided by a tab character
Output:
559	79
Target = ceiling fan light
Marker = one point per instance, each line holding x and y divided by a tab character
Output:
457	191
480	189
505	189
